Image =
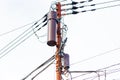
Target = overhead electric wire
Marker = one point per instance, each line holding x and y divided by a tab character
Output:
6	48
15	42
5	53
43	64
79	75
105	7
77	7
107	73
101	70
5	33
42	70
100	3
106	2
96	56
74	8
74	3
20	35
94	9
109	67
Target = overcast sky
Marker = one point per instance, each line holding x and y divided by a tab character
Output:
89	35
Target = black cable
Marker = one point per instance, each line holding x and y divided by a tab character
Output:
17	39
97	4
5	53
94	9
21	34
105	7
42	70
96	56
47	61
5	33
75	3
106	2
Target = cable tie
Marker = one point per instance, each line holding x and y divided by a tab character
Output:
36	26
45	19
74	7
74	3
44	24
90	0
35	23
92	9
92	4
81	6
75	12
84	11
82	1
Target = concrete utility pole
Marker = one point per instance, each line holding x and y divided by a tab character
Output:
58	56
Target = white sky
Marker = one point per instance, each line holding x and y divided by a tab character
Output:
89	34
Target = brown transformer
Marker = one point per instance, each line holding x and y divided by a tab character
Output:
52	22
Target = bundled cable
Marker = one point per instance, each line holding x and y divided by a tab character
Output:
75	3
94	9
22	37
74	7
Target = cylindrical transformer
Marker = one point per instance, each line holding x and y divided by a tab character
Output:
66	61
52	22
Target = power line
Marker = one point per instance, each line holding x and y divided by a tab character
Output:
5	33
98	70
23	33
107	73
35	22
43	64
94	9
42	70
106	2
109	67
2	54
75	3
96	56
18	40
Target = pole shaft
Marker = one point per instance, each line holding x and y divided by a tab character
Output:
58	56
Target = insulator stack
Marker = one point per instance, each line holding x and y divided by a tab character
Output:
52	22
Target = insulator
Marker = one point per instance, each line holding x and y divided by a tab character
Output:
66	61
52	22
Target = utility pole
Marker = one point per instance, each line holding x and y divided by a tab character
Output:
58	43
